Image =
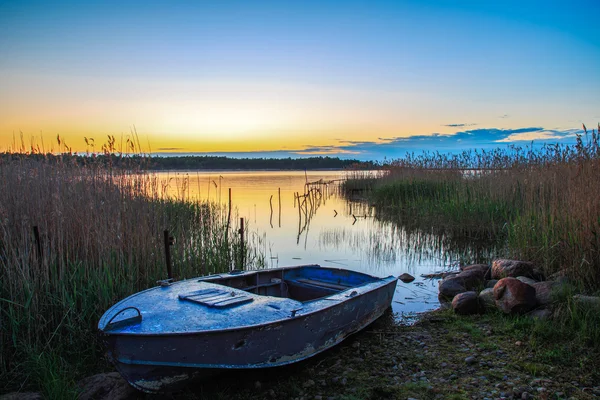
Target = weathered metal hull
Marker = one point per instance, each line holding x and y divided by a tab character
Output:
166	362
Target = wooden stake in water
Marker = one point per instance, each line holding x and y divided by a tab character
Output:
242	249
271	205
299	207
220	177
227	228
229	211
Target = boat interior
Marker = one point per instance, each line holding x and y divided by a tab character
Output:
299	283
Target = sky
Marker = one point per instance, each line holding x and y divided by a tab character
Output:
356	79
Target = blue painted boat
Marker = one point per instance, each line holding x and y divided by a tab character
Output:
162	337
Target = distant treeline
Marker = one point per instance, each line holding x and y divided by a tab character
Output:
212	162
195	162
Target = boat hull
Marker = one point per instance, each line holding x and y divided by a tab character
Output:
166	362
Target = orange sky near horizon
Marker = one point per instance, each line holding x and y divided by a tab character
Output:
330	77
178	116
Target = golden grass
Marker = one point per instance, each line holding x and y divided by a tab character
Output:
100	235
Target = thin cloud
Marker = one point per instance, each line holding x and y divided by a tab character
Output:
458	125
329	152
354	142
546	135
333	149
482	138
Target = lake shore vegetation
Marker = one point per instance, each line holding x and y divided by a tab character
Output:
77	237
540	205
78	233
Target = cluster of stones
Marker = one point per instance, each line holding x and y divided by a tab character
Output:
514	287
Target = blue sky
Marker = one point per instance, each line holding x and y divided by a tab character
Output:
365	78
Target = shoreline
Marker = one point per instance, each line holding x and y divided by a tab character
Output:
440	356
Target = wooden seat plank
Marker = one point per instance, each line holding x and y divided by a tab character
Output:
327	285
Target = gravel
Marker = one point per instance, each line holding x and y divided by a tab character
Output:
435	358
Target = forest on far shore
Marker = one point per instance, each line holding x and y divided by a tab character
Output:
197	162
222	162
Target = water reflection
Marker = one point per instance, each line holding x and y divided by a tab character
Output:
300	218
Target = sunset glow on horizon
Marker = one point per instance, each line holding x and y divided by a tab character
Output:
364	79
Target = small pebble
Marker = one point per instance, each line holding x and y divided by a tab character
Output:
309	383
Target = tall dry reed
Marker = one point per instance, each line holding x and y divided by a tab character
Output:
541	204
76	238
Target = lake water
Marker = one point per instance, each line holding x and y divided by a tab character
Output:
332	232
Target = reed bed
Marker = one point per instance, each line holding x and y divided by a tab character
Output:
537	204
76	238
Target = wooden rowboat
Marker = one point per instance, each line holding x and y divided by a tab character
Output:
162	337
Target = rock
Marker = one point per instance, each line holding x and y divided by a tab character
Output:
540	314
439	274
309	383
106	386
587	301
257	385
22	396
406	278
526	280
485	269
462	282
445	303
472	278
450	287
502	268
491	283
470	360
466	303
449	274
513	296
486	298
543	291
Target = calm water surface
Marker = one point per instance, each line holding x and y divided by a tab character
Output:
336	233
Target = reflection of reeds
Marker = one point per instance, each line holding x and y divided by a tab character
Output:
315	194
542	203
97	238
383	244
